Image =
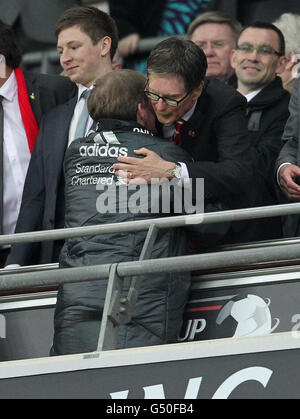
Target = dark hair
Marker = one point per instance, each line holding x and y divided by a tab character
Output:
218	17
92	21
182	57
117	95
9	46
271	27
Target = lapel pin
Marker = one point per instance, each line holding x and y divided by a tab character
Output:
32	96
192	133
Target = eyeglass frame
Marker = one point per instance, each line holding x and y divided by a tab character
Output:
215	45
253	48
163	98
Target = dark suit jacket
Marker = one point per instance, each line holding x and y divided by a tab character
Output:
267	114
42	184
217	138
38	18
47	91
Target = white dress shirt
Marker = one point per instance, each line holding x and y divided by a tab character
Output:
77	112
16	154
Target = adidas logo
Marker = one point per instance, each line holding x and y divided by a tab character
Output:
105	145
102	151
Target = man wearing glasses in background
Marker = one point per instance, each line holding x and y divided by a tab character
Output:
257	60
205	118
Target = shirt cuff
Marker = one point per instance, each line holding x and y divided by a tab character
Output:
277	174
184	171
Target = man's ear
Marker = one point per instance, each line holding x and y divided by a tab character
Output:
232	58
141	115
282	62
105	45
146	117
198	91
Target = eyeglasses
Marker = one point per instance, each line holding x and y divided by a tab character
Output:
261	50
170	102
213	45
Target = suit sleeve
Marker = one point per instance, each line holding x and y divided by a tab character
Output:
269	146
290	136
232	172
32	208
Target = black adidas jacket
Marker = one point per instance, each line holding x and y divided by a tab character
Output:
91	188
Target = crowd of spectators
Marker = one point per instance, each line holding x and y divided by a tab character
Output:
222	112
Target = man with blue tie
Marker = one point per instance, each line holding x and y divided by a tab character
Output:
87	39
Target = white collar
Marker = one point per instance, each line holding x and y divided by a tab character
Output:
189	113
9	88
81	89
185	117
251	95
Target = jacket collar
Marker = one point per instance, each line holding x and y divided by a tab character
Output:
116	124
272	93
200	108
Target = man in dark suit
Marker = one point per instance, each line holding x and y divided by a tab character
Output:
213	126
34	21
288	164
85	55
258	60
25	98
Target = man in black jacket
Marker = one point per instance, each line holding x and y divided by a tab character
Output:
257	60
213	125
94	195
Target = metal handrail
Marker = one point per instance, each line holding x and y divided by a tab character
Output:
55	277
118	309
144	224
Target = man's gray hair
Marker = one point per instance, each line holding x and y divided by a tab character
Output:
117	94
289	24
216	17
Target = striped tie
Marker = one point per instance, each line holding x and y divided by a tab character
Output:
84	116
